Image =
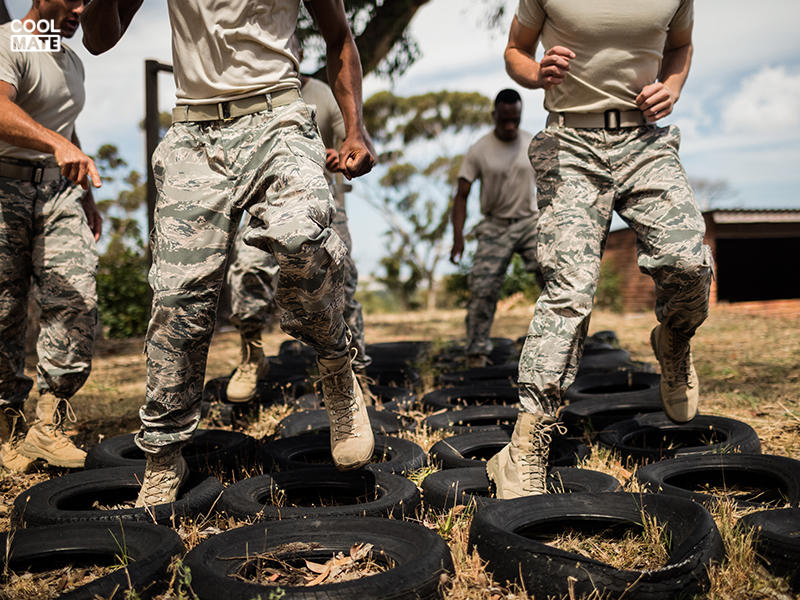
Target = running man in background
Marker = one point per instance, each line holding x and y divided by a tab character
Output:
609	72
242	139
508	205
252	275
48	229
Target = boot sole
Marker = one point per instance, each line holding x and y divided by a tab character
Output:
35	453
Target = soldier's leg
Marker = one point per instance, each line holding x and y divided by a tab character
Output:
296	214
251	280
353	313
526	248
195	222
495	248
17	199
575	196
65	269
659	205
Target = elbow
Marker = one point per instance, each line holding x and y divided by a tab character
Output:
95	45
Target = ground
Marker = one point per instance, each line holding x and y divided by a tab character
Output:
749	368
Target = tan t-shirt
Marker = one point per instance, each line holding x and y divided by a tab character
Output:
618	46
49	88
233	49
508	182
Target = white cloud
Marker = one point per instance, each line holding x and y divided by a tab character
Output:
765	103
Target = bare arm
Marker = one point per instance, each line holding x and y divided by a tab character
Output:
521	65
356	155
19	129
459	217
658	99
104	23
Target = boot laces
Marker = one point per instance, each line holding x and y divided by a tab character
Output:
59	417
534	464
160	479
679	358
248	368
340	399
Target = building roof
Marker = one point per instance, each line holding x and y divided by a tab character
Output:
754	215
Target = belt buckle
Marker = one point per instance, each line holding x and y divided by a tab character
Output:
611	118
224	110
37	174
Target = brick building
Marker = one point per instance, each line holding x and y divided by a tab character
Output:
754	252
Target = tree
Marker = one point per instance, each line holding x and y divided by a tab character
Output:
709	191
417	181
381	32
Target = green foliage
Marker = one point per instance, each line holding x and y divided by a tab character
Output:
609	287
456	286
122	290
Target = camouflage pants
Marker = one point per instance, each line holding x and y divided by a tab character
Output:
271	165
45	240
498	240
582	176
252	277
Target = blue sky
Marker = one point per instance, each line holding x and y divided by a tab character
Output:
739	112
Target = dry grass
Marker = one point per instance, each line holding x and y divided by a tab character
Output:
749	369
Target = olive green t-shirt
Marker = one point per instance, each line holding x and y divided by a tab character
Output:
508	182
618	46
49	88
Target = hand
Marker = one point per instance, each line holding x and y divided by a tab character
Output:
554	66
457	250
656	101
92	215
357	155
76	166
331	160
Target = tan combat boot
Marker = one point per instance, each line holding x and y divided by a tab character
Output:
163	476
520	468
11	429
352	441
243	384
680	389
46	438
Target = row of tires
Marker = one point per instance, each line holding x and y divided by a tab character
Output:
415	559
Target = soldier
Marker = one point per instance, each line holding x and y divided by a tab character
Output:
508	205
243	139
252	274
48	229
609	72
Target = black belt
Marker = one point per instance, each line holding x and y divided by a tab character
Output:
28	170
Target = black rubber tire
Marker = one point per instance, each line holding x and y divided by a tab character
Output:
503	350
474	418
514	528
444	489
253	497
148	548
655	436
208	450
777	541
270	391
69	498
395	375
296	349
473	395
316	421
505	374
398	353
473	449
774	479
388	398
420	557
391	455
597	401
604	361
